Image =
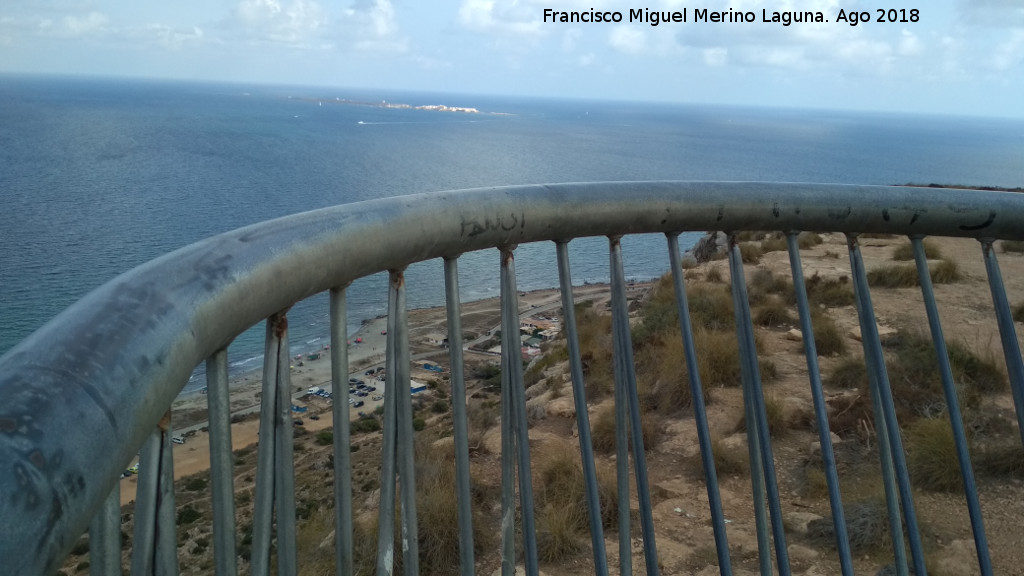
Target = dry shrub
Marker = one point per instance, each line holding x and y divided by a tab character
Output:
718	357
867	526
905	275
809	240
602	434
945	272
775	416
1012	245
829	292
774	243
773	314
1000	458
1018	312
906	251
764	281
714	275
813	482
750	253
437	513
594	331
710	308
558	538
931	455
828	339
911	364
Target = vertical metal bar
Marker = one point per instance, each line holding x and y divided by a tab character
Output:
513	365
508	464
626	368
876	365
263	509
582	417
406	439
467	563
953	407
1007	333
342	434
820	410
284	462
699	411
154	545
222	477
144	532
754	398
105	537
622	474
386	510
754	453
884	447
166	560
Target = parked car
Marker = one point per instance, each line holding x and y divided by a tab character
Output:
297	422
314	417
178	440
358	404
353	381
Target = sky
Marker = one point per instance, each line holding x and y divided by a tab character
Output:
961	57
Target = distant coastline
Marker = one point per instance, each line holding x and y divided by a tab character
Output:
399	106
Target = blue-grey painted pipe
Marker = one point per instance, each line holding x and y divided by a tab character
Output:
753	395
222	464
117	374
953	407
626	369
263	509
1007	332
883	395
512	359
342	447
284	463
105	537
406	439
699	411
508	456
386	510
467	563
579	396
820	410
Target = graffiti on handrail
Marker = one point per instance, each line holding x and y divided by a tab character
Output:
504	222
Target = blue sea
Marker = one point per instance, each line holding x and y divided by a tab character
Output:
100	175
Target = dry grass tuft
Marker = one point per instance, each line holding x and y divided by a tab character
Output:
602	433
1012	245
905	276
906	251
931	455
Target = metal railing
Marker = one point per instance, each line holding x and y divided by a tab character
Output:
116	360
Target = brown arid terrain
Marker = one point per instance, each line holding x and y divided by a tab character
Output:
680	509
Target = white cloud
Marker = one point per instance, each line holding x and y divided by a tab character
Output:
1009	54
72	26
627	39
510	17
715	57
298	23
372	26
171	37
910	44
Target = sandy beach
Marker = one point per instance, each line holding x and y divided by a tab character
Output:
479	319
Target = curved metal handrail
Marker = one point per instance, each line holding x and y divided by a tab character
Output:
81	394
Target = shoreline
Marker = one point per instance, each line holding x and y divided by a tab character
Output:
480	317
